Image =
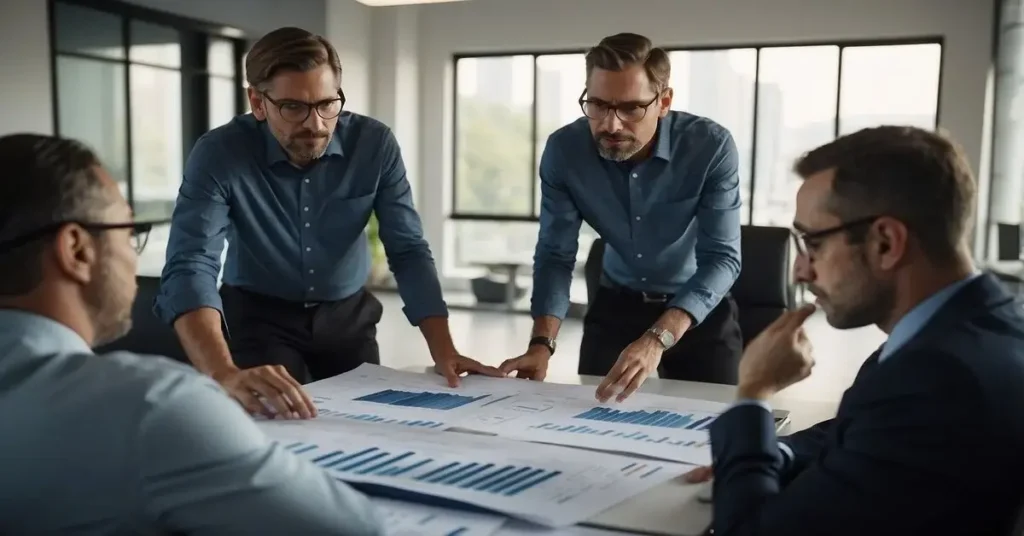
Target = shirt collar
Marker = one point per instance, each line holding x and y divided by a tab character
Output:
39	334
275	153
663	145
912	322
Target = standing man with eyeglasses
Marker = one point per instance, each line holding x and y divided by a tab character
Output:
661	188
292	187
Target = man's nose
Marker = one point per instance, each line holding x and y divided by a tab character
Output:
803	272
611	122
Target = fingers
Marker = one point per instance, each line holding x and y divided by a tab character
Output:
699	474
473	366
448	371
509	366
292	389
636	376
284	394
795	319
250	402
609	386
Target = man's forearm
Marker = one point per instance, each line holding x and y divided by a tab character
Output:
202	337
438	335
546	326
676	321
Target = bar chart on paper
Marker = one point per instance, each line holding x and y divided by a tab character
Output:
658	418
328	407
549	485
412	519
421	399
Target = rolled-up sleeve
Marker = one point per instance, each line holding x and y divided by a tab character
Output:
206	468
718	243
198	227
557	240
401	232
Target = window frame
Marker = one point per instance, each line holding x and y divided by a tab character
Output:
454	214
196	36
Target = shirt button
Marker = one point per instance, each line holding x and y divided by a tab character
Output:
306	181
310	271
310	288
639	255
309	249
307	224
305	209
634	176
638	218
643	279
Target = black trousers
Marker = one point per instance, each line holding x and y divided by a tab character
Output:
617	317
312	341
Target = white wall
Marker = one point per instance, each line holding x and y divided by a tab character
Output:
525	25
26	102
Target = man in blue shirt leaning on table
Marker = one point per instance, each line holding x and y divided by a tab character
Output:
661	187
291	187
120	443
928	439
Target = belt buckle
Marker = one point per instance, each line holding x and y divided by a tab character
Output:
654	298
310	304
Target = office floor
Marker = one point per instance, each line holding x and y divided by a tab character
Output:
492	337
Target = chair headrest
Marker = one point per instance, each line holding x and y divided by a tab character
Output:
765	279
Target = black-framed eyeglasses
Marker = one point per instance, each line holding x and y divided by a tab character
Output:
807	241
628	112
295	111
140	233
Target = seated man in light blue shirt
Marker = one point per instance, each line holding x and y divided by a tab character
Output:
120	443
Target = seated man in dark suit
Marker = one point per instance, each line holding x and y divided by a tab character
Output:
929	439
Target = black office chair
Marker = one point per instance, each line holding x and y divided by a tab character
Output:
149	335
763	290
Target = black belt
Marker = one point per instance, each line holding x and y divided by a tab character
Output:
641	295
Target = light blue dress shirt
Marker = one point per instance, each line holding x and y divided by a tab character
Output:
905	329
671	222
295	234
126	444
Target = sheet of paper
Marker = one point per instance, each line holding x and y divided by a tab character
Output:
657	426
376	394
545	484
518	528
410	519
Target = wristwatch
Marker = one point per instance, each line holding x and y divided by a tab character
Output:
546	342
664	336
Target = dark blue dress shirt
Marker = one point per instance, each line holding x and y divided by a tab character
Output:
671	223
296	234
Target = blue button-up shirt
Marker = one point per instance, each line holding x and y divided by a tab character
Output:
294	233
671	222
128	444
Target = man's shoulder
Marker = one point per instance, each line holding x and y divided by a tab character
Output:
151	380
360	127
572	135
232	140
688	125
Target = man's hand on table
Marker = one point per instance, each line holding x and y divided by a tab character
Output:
451	364
635	364
272	384
533	365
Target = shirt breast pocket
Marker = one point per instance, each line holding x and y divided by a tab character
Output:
669	220
342	219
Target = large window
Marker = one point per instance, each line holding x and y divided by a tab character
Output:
140	87
777	101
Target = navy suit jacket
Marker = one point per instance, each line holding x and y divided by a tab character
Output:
930	441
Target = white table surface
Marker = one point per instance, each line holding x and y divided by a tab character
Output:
672	509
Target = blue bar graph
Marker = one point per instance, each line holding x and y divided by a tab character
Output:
606	432
369	417
423	399
660	418
507	480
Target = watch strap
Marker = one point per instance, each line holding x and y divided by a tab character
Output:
664	336
546	342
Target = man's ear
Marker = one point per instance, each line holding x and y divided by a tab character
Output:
889	241
75	253
256	103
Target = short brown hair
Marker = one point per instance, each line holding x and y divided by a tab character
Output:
46	181
288	49
919	177
624	50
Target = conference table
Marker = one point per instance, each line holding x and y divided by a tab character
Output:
673	509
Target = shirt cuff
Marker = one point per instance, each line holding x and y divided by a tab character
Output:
693	306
